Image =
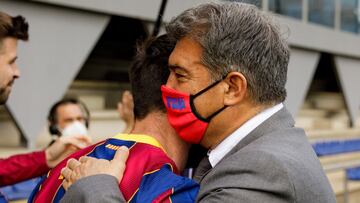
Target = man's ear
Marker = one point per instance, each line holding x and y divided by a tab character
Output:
236	88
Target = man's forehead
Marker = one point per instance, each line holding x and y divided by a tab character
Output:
187	52
8	45
68	109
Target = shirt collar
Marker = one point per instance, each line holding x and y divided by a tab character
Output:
233	139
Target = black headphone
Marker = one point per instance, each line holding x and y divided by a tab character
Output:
52	117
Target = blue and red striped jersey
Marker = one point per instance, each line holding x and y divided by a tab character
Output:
150	175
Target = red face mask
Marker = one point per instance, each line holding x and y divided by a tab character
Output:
182	114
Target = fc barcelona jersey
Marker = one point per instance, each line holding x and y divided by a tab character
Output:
150	175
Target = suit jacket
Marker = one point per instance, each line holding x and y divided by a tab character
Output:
274	163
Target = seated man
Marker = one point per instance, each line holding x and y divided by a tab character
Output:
153	160
68	117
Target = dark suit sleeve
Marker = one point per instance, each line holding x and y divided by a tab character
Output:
98	188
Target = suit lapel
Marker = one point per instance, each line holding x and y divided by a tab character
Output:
203	168
281	119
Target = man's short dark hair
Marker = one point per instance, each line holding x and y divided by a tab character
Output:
16	27
148	72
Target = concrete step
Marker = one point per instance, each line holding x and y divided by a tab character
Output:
332	101
8	151
97	95
338	158
337	183
332	134
318	123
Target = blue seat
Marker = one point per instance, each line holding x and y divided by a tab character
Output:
336	147
20	190
353	173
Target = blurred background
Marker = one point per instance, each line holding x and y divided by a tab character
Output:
83	49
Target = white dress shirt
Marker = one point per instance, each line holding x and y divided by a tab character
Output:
232	140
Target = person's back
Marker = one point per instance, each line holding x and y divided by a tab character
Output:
147	159
153	161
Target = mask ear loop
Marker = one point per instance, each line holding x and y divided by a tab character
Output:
192	105
216	113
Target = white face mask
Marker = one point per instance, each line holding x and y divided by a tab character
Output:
75	128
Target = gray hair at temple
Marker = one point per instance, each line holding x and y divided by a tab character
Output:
238	37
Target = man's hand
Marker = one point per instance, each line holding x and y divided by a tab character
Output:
63	147
126	110
88	166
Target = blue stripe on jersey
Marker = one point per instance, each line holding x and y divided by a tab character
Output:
102	152
154	184
36	189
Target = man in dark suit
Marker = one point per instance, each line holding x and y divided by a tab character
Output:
225	92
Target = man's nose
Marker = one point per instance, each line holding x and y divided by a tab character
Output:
171	80
16	71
